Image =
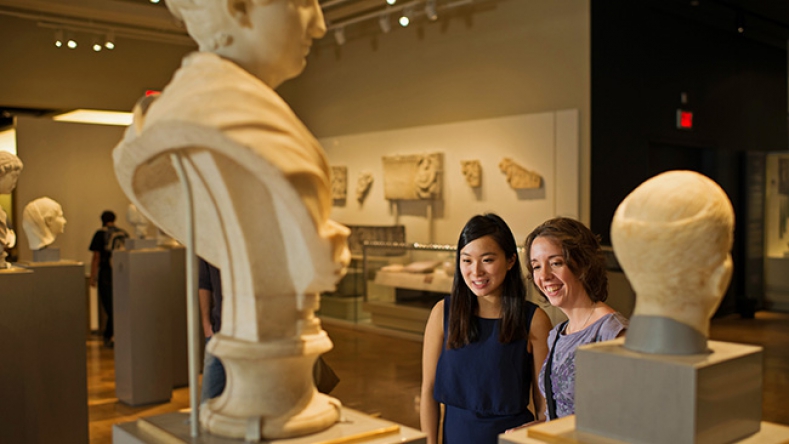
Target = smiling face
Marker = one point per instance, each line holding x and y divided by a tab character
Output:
484	266
275	37
553	276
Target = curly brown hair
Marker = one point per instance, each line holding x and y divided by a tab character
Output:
581	250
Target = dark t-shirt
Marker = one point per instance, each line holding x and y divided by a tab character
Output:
209	279
99	243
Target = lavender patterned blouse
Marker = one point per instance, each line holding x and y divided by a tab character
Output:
563	371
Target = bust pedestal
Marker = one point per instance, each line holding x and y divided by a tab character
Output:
353	427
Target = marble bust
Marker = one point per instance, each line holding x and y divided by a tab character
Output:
260	185
138	221
10	167
672	236
42	221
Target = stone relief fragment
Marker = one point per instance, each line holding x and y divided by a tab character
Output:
363	184
339	182
519	177
472	171
413	176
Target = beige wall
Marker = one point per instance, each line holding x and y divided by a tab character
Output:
72	164
36	74
511	57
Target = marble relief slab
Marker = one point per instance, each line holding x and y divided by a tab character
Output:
413	176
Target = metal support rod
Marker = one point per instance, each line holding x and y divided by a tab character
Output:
192	315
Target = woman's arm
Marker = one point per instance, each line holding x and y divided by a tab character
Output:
538	346
431	350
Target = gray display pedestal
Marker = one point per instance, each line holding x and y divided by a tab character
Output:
43	375
712	397
354	427
149	305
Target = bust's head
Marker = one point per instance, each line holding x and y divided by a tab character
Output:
10	167
268	38
42	221
672	237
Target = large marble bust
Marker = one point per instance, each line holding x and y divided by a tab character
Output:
42	221
10	167
261	194
673	236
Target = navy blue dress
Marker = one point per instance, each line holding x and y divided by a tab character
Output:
485	385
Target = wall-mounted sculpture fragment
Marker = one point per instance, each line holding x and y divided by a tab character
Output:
413	176
363	184
339	182
472	171
519	177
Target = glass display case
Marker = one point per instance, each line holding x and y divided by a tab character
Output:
403	281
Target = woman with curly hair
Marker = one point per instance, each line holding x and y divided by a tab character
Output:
567	265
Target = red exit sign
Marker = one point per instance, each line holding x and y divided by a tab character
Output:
684	119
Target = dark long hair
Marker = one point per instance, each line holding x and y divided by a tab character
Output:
581	251
463	303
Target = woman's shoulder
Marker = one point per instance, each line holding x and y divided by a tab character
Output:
611	325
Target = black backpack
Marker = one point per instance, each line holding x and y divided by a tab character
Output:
115	238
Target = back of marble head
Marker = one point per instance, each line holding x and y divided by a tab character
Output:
672	237
42	221
10	167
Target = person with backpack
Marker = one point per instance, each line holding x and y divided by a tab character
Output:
106	239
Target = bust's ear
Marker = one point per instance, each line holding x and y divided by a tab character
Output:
239	11
719	280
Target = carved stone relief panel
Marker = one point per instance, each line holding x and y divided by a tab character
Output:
339	182
413	176
363	184
519	177
472	171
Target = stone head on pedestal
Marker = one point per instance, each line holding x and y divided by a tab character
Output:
42	221
672	237
10	167
138	221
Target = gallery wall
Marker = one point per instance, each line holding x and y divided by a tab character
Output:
494	59
72	164
544	143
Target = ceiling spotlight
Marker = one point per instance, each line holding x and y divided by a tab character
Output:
430	10
95	45
71	43
405	19
391	2
109	41
59	38
385	23
339	36
740	23
154	1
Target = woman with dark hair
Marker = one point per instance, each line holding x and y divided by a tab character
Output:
567	265
484	344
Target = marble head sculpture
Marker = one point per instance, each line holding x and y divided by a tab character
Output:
672	237
138	221
10	167
42	221
261	194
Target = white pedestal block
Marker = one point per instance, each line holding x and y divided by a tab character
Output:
43	378
143	325
354	427
649	398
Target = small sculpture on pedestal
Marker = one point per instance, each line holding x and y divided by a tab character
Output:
138	221
43	221
259	183
672	236
10	167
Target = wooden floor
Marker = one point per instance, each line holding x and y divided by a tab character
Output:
381	374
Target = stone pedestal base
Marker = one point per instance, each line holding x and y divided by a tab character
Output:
139	244
635	397
51	254
563	431
353	427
